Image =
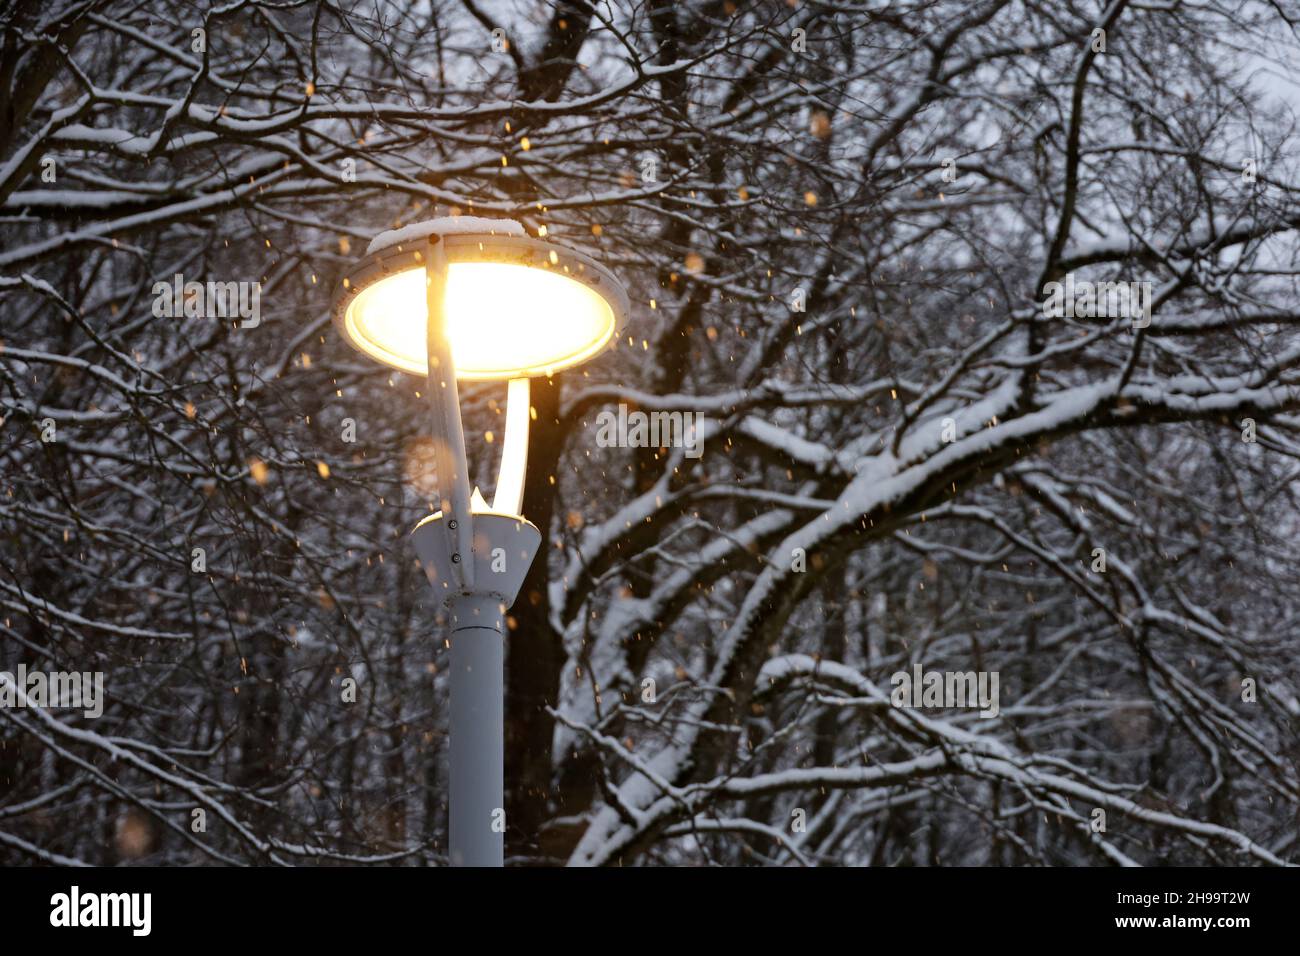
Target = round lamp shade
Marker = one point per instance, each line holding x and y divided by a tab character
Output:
514	306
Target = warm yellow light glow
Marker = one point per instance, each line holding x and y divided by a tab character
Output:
503	320
509	497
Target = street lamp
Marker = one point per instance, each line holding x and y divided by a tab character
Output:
477	299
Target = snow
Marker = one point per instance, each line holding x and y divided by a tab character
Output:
445	226
942	456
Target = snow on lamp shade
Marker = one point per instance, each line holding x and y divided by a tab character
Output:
504	320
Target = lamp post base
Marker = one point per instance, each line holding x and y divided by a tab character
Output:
503	549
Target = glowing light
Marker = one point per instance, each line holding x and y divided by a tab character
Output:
503	320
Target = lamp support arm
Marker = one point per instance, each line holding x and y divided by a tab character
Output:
509	497
448	433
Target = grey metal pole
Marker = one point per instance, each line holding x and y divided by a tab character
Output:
477	731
